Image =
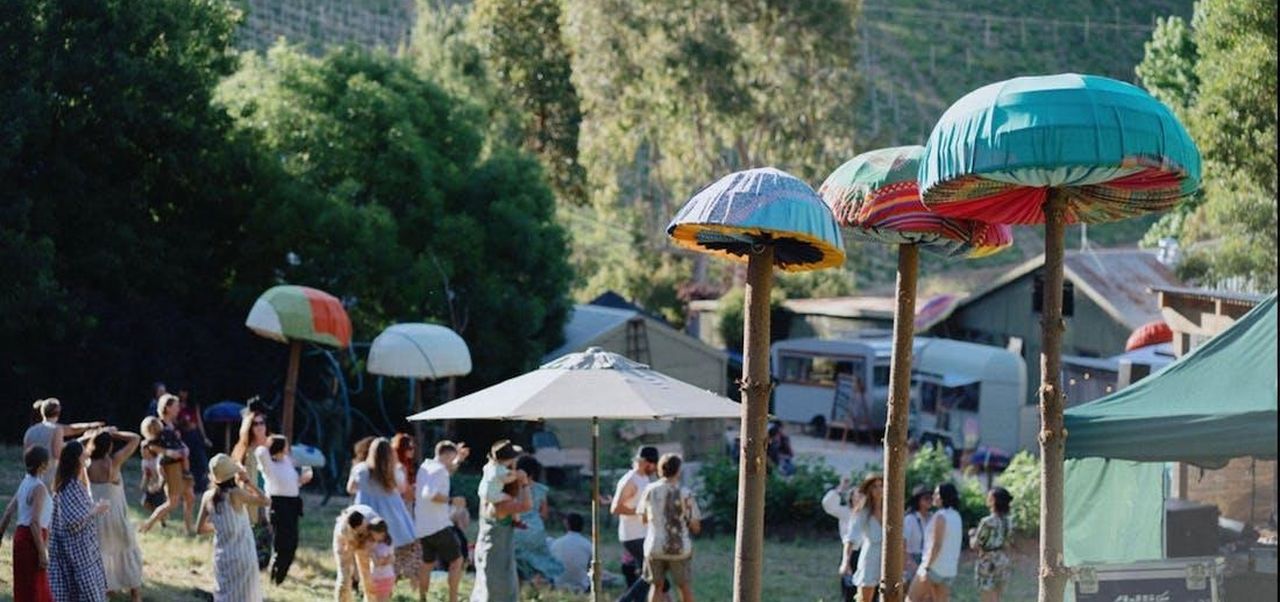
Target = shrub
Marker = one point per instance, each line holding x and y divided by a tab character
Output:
1022	479
466	485
928	467
973	501
790	502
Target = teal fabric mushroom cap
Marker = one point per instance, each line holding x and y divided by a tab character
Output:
1117	151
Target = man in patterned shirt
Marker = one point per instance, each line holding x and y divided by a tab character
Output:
671	515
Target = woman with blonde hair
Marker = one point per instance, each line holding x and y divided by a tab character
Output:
50	434
253	434
374	485
866	527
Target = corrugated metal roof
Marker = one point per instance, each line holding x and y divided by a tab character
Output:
1120	281
586	324
844	307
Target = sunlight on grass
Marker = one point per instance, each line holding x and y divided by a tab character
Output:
178	568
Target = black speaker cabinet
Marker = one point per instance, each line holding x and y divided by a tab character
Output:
1190	529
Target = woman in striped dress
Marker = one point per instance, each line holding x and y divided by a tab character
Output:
75	560
224	511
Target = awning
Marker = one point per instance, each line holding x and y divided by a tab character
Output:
1216	403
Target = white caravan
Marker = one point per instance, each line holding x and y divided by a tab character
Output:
965	394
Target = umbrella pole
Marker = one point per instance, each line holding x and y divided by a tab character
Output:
595	510
1052	434
895	431
417	388
749	545
290	389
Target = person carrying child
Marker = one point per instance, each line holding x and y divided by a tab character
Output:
498	474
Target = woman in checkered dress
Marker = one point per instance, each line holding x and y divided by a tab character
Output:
75	560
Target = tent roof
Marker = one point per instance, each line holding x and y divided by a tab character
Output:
1216	403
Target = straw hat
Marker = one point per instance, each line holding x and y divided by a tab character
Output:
223	468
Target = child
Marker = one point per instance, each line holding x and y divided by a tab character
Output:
152	481
498	472
383	573
461	519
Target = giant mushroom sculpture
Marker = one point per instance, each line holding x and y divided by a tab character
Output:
767	218
1056	150
293	315
874	197
419	351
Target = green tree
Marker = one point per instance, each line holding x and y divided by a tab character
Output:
1221	77
396	208
508	58
677	93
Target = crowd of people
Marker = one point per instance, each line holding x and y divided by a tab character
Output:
932	540
74	541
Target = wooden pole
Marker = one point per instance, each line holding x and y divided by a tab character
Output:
895	430
749	546
1053	576
290	389
595	510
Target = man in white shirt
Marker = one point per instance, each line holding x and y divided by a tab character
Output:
573	550
631	529
671	517
431	516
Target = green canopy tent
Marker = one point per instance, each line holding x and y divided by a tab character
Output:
1214	404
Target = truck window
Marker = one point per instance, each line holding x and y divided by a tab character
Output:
880	376
817	371
964	398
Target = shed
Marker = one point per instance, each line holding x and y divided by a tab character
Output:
646	339
1107	294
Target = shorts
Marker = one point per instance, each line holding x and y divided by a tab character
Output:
408	561
934	577
441	545
658	568
383	585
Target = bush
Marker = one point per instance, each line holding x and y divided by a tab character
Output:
1022	479
973	501
928	467
790	502
466	485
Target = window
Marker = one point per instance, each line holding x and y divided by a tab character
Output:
935	397
880	376
818	370
1068	296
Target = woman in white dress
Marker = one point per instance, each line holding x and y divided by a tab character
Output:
224	511
121	556
865	528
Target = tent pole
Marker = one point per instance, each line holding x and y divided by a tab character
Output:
290	389
895	431
1053	576
595	510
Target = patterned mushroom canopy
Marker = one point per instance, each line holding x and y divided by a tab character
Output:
1116	152
875	197
760	207
289	313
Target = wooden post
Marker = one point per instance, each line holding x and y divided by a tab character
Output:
895	431
595	510
1053	576
749	547
290	389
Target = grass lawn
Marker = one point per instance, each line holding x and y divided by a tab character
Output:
179	568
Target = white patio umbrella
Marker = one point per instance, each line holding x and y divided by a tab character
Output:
419	351
591	385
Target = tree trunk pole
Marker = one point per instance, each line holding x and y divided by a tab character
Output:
895	432
755	384
1053	576
290	389
595	510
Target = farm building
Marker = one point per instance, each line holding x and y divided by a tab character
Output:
1107	294
649	340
